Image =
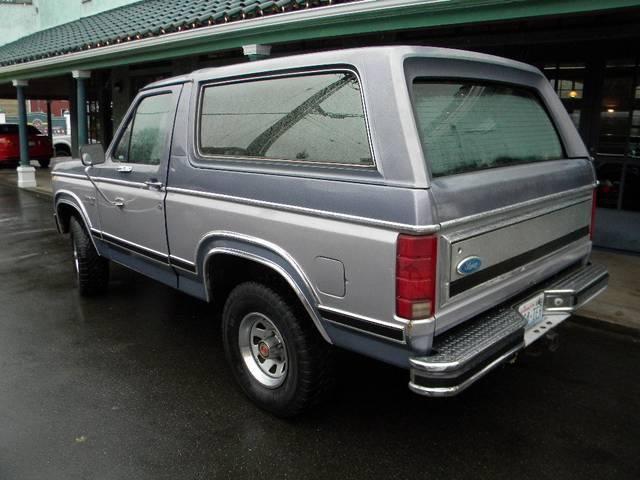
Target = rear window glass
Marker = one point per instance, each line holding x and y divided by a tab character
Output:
315	118
467	126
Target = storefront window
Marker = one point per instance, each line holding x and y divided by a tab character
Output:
567	79
617	102
618	152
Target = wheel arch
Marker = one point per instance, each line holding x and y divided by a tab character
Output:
62	145
217	246
66	205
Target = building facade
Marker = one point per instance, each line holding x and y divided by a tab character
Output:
589	50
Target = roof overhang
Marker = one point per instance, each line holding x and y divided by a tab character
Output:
363	17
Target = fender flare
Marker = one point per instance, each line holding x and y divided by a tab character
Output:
67	197
263	252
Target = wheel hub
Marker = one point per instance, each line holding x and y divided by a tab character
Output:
263	349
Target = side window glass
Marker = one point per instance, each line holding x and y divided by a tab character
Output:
121	152
312	118
144	140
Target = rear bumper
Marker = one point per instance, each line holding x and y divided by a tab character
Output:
467	353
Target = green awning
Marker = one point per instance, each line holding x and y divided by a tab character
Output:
155	30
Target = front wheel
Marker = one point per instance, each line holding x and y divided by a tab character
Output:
91	270
276	354
44	162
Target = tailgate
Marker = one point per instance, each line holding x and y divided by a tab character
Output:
505	230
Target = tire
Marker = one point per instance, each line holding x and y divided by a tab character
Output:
44	163
91	270
254	316
13	164
62	152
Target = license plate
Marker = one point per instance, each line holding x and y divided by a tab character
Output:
533	310
32	143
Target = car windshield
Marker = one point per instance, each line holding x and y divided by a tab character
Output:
468	126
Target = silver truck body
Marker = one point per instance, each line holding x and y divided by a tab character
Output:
331	231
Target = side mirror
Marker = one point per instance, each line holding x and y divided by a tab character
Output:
92	154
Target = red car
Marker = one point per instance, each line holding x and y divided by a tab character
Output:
39	145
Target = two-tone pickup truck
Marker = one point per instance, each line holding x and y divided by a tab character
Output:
429	208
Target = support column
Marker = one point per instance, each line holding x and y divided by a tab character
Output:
50	126
256	51
26	173
81	77
73	119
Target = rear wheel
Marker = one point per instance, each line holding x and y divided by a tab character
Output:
91	270
44	163
276	354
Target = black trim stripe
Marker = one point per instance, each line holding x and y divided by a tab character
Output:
128	247
353	322
183	265
462	284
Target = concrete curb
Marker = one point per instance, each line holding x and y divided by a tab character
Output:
42	191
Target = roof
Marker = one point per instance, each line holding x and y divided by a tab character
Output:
147	18
348	56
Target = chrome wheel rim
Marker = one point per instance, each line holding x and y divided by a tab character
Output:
263	350
76	262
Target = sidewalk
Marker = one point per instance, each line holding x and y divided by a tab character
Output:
619	305
43	179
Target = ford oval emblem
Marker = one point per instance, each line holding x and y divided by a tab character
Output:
469	265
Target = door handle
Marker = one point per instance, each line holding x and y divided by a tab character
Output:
124	169
154	184
118	202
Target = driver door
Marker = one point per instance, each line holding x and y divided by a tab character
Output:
132	181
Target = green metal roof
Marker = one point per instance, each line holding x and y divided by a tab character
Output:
147	18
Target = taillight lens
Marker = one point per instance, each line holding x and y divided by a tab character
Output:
416	276
594	202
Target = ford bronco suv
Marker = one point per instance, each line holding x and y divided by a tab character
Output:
429	208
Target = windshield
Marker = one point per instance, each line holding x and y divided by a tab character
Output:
467	126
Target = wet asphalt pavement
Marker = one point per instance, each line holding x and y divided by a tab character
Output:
133	385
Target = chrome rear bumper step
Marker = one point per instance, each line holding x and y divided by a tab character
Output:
465	354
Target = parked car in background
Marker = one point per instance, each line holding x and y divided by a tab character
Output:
429	208
40	148
62	145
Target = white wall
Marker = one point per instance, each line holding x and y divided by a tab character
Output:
19	20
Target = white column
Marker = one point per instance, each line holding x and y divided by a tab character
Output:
26	173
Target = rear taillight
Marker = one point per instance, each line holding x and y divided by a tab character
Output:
416	276
594	203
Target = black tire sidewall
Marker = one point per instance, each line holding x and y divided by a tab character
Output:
92	274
